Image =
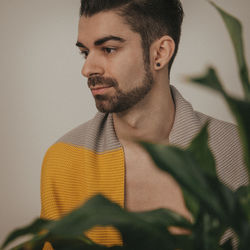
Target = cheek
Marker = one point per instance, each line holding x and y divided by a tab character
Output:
129	70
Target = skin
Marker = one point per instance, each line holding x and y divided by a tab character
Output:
150	119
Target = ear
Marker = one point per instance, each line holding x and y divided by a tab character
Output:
162	51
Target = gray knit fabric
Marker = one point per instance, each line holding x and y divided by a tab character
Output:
98	134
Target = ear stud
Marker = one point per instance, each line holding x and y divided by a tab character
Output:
158	64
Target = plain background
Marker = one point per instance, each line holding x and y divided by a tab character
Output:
43	94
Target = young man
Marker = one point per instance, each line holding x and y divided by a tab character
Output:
129	47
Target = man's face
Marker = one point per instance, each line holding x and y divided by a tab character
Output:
117	74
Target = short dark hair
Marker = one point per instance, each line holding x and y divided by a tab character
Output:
152	19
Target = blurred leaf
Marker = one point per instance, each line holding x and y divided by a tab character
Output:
188	173
76	244
242	218
234	28
60	243
244	237
208	231
36	242
243	194
145	230
239	108
191	203
36	227
241	111
203	155
200	149
184	241
209	79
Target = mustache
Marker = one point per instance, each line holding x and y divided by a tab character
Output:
102	81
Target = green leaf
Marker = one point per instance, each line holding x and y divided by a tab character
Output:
234	28
207	231
185	169
209	79
76	244
200	149
192	203
203	155
36	227
243	194
184	241
241	111
37	242
59	243
145	230
239	108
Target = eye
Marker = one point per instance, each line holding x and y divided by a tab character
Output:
108	50
84	53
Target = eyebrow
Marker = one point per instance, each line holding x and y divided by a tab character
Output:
102	40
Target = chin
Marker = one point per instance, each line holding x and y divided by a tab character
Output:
113	105
103	107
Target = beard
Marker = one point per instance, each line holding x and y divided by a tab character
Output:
120	101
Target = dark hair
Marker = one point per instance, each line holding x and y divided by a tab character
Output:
152	19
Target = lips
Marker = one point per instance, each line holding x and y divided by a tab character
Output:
98	90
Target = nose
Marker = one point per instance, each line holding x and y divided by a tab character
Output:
92	66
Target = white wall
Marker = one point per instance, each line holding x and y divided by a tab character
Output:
43	95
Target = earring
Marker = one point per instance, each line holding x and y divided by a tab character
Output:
158	64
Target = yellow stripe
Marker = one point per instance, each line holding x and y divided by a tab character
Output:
71	175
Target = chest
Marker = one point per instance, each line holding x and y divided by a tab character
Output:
146	186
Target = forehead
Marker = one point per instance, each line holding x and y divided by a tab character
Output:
104	24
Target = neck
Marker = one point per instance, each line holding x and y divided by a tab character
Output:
150	120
